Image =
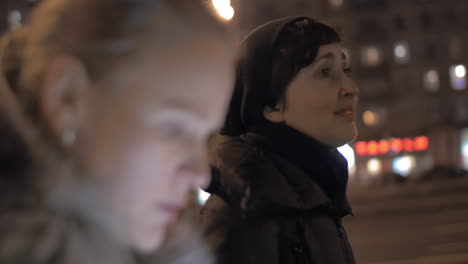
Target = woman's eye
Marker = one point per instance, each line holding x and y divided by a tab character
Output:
325	72
172	129
348	70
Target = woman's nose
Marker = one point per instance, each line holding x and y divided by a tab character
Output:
349	88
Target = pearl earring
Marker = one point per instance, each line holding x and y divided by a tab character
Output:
68	137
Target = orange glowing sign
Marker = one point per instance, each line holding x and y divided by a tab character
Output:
373	148
395	145
421	143
361	148
408	145
384	146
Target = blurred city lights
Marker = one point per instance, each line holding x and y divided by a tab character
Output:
370	56
457	77
348	153
401	52
404	165
224	8
384	146
370	118
372	148
431	80
460	71
374	166
202	196
394	145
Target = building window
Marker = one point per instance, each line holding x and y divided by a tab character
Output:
336	3
371	118
370	56
401	52
458	77
14	19
431	80
399	23
426	20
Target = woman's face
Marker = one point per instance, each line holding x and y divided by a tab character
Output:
321	100
144	133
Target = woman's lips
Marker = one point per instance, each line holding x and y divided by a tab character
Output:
346	113
170	211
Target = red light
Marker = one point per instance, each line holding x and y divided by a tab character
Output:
421	143
396	145
384	146
408	145
373	148
361	148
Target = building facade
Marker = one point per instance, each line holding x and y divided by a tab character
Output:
410	62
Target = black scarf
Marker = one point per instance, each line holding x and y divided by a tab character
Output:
327	167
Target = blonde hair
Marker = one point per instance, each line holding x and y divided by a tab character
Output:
102	33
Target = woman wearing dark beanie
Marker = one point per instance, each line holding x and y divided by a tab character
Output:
279	184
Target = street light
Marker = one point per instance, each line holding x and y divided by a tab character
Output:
224	8
460	71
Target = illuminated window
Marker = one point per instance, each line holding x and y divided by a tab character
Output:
401	52
431	81
374	167
14	19
458	77
404	165
370	56
336	3
371	118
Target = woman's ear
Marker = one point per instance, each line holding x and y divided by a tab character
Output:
62	97
274	114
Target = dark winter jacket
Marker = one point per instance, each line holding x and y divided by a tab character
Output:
278	196
266	209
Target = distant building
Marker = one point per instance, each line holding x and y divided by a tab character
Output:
409	60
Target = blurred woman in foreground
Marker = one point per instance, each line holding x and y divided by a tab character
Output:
108	128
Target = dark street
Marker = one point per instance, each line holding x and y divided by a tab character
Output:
420	223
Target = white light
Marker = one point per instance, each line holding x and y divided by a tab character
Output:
401	52
460	71
348	153
404	165
203	196
431	80
465	150
224	8
374	166
457	77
